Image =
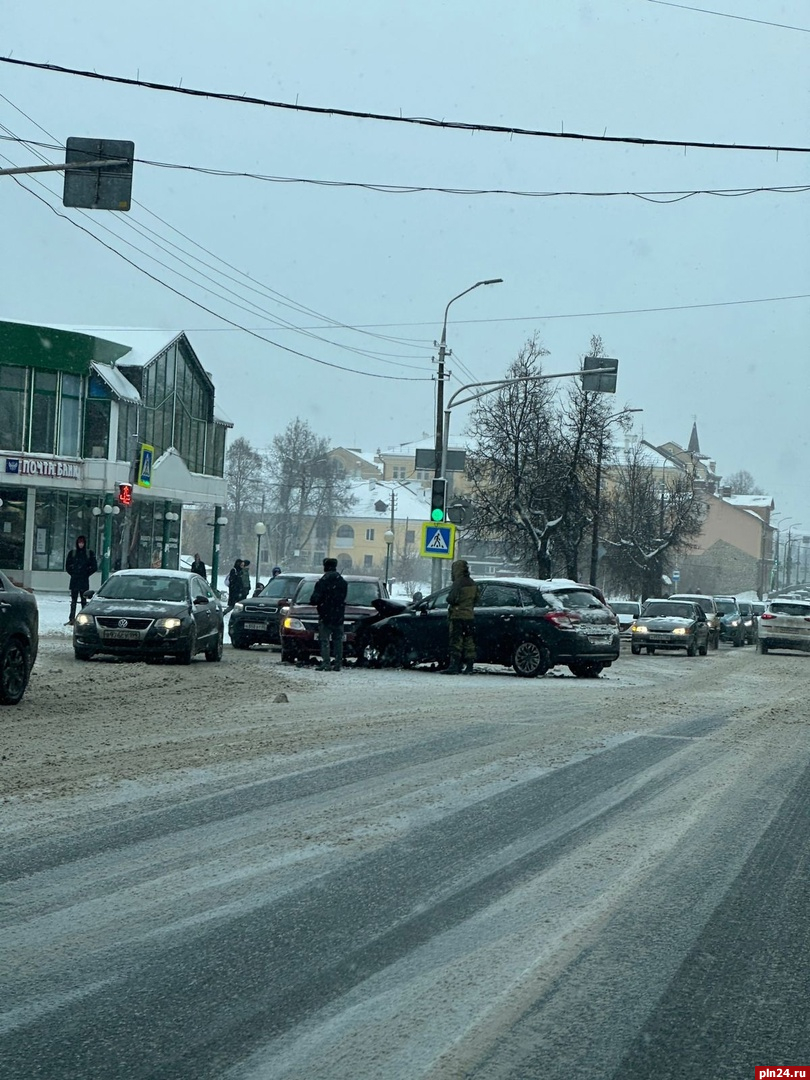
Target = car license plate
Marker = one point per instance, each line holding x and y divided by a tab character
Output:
598	639
122	635
315	636
254	626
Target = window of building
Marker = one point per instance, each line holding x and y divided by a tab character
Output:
12	527
368	562
70	412
59	517
12	407
369	534
345	532
43	412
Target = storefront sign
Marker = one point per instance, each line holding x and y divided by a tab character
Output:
47	467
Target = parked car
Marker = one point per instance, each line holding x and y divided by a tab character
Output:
732	627
151	614
524	623
299	621
671	624
747	614
785	624
19	640
255	620
709	610
625	611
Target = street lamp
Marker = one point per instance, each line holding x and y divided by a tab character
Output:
440	446
389	539
789	557
598	490
260	530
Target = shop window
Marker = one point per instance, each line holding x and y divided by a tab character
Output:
96	428
43	413
12	528
12	407
70	410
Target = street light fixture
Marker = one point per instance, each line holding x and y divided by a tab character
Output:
598	490
389	539
260	530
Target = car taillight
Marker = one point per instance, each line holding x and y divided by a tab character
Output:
565	620
767	615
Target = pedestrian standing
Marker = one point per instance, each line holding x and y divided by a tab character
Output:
329	597
80	565
244	590
198	567
234	583
461	601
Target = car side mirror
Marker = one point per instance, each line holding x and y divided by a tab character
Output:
200	599
89	594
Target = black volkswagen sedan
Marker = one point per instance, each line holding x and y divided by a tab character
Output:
524	623
19	640
151	614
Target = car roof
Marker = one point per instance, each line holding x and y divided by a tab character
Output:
150	572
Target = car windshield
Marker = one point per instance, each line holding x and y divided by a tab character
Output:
145	587
726	607
668	609
279	586
625	608
572	598
359	593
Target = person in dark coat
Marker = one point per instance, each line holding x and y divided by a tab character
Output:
198	567
329	597
244	591
80	565
234	583
461	601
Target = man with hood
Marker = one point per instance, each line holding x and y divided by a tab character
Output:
329	597
234	583
80	565
461	601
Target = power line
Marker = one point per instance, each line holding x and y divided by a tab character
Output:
421	121
726	15
673	195
210	311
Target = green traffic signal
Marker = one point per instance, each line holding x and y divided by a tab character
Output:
437	514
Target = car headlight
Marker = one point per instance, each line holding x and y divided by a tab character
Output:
735	622
169	624
291	623
83	620
639	629
239	606
680	630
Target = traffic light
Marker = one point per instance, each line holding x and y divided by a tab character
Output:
125	494
438	494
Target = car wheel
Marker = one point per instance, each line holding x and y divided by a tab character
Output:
591	670
650	650
392	653
715	641
187	654
214	653
14	671
762	648
82	653
288	656
239	642
530	659
738	640
635	650
703	649
691	649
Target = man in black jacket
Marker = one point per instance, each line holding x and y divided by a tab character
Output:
329	597
80	565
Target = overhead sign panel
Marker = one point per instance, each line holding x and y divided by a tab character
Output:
98	187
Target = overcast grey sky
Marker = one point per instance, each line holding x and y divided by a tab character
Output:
390	262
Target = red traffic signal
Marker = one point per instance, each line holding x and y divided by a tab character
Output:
125	494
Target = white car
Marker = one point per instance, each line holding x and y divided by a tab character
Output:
625	611
785	624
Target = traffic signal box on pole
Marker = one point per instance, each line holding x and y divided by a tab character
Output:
125	494
438	497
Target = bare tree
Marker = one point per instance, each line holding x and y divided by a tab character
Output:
741	482
646	522
243	472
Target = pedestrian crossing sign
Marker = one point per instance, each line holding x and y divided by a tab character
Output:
438	541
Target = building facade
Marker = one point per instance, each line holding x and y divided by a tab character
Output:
75	409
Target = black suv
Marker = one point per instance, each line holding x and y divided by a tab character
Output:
19	640
528	624
254	620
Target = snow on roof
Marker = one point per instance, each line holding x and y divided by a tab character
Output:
410	502
143	345
117	382
408	449
748	500
369	456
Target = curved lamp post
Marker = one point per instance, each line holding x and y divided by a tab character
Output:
260	530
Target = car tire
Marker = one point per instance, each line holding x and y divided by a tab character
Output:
392	654
737	641
187	655
762	648
239	642
82	653
635	650
703	649
214	652
15	669
650	650
715	641
590	670
530	659
691	649
288	656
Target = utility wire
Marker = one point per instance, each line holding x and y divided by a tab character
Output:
726	15
210	311
663	196
421	121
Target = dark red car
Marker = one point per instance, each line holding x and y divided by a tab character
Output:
299	622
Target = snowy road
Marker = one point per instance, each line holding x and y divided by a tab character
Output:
400	875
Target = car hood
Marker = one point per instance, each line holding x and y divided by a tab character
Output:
136	609
663	623
309	611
